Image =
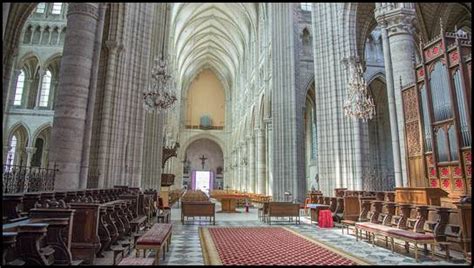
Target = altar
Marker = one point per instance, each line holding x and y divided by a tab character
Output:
228	201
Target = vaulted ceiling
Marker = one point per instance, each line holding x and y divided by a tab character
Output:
211	35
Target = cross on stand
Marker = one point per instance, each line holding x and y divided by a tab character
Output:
203	160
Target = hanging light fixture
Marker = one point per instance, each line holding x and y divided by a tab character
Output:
358	104
160	96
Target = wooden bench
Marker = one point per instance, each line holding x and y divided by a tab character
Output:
374	229
198	209
158	236
283	209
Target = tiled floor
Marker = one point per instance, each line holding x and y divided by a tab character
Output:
185	248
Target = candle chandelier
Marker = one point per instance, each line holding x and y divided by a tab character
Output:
359	104
160	95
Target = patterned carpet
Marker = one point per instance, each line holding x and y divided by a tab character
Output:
267	246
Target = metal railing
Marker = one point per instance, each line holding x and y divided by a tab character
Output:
20	179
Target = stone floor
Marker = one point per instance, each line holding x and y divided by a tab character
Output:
185	248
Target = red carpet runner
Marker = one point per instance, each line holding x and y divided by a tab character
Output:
267	246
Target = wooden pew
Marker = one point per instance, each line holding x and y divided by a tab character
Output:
29	244
283	209
9	256
29	201
60	221
11	202
198	209
85	238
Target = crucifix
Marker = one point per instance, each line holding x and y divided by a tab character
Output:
203	160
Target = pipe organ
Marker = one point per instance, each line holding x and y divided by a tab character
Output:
437	112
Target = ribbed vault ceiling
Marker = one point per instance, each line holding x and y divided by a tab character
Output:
211	35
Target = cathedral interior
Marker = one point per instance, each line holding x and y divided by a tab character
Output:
237	133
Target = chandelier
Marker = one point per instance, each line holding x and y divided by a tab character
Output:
160	95
358	104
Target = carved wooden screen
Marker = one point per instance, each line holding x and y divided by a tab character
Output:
437	112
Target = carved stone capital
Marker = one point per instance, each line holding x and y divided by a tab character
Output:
41	71
396	18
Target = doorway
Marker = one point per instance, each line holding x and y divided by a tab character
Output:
203	181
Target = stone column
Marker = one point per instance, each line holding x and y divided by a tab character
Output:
396	20
6	11
41	34
71	106
53	93
44	158
391	106
26	90
245	159
234	169
269	154
29	155
114	49
16	73
251	164
58	40
6	149
239	168
51	30
285	144
33	30
41	73
261	161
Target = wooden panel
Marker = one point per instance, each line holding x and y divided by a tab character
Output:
417	172
85	232
351	208
419	195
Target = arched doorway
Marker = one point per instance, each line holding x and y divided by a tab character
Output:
203	165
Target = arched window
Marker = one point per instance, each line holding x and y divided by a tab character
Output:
19	88
45	88
40	8
306	6
56	8
11	153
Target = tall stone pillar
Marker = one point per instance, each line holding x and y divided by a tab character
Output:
6	11
391	106
30	151
251	164
396	20
26	89
16	73
114	48
284	141
261	161
71	106
269	153
44	158
245	159
6	149
41	73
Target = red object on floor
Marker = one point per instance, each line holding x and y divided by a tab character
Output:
270	246
325	219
